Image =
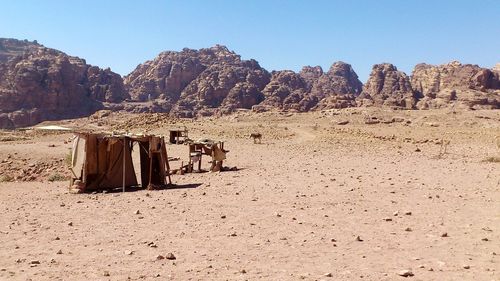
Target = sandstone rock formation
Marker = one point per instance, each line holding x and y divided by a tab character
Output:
337	88
312	89
199	82
496	68
38	83
221	88
286	90
10	48
468	86
46	84
387	86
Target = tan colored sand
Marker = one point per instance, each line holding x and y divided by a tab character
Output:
293	211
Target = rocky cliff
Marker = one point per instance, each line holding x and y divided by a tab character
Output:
199	82
312	89
387	86
337	88
463	85
38	83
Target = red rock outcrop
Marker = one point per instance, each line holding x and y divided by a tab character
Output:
312	89
286	91
387	86
468	86
337	88
199	82
46	84
10	48
38	83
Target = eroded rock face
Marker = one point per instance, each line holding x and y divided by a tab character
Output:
312	89
199	82
337	88
387	86
10	48
46	84
286	91
496	68
468	86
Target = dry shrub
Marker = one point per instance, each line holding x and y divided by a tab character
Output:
492	159
56	177
6	178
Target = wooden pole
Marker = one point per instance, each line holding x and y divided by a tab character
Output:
124	163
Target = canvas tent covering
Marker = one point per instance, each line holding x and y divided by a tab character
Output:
101	162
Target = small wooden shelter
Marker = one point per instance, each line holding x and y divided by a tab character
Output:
103	162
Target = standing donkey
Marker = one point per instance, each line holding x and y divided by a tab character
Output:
256	136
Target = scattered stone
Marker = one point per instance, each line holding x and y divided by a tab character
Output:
444	234
358	238
137	212
160	257
396	213
405	273
329	274
59	252
70	223
223	217
243	271
343	122
106	273
170	256
35	262
408	229
387	219
485	239
466	266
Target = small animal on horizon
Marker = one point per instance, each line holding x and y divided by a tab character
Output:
256	136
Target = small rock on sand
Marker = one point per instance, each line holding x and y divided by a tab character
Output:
405	273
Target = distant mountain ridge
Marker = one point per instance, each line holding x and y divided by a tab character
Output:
39	83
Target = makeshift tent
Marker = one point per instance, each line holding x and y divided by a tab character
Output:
101	162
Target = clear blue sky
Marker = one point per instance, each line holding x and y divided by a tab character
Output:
279	34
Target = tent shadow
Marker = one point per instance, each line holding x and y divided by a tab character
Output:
181	186
140	188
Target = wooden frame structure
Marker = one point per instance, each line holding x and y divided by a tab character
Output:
213	149
178	136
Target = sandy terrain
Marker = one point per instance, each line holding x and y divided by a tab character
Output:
296	209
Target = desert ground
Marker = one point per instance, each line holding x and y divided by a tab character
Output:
316	200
